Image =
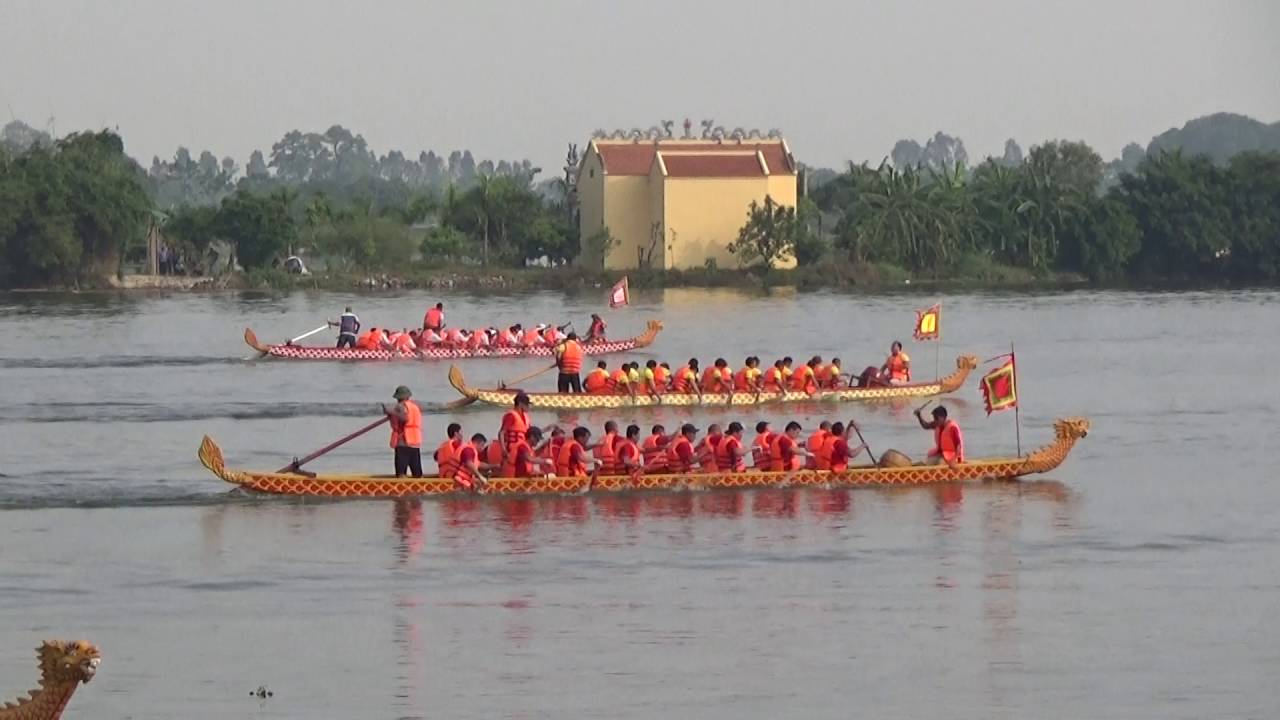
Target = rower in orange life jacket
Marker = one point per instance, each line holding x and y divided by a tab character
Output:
471	465
786	371
785	451
836	453
573	460
805	379
626	452
447	453
681	457
507	338
706	450
713	377
522	459
762	447
774	378
654	450
897	369
686	379
730	456
515	422
662	378
815	442
605	450
948	441
597	381
829	375
368	340
748	378
619	382
550	450
434	319
403	343
531	338
406	433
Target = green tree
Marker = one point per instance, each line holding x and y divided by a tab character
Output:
769	235
259	226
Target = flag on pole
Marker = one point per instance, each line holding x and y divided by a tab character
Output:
619	295
1000	387
929	323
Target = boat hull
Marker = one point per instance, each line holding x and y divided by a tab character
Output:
314	352
1042	460
586	401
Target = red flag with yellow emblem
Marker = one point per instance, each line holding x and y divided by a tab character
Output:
929	323
620	294
1000	387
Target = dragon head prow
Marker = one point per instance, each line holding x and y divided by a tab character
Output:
1072	428
967	362
68	661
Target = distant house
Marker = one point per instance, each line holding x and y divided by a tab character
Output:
677	203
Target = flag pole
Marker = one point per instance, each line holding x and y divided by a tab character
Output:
1017	405
937	351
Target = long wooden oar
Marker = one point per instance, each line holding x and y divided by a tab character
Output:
863	440
297	464
530	376
291	341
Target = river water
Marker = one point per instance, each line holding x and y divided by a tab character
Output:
1139	580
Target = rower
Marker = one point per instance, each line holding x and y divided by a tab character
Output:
597	381
805	379
709	447
532	338
748	378
627	453
662	377
446	454
787	372
762	447
406	432
774	378
434	318
831	375
686	379
550	450
493	453
605	451
654	450
711	376
649	380
595	333
509	337
948	441
816	440
681	457
897	369
621	383
515	422
573	460
428	338
634	377
569	360
402	342
368	340
470	467
523	460
785	452
348	325
730	455
836	454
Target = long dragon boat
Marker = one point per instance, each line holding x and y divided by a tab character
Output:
1044	459
504	396
289	351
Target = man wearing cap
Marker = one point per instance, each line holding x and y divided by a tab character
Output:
348	326
406	432
680	456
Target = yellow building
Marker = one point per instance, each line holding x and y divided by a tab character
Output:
675	203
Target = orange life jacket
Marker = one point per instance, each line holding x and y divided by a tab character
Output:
707	452
762	450
773	379
816	441
530	338
434	319
711	379
514	466
898	369
404	343
834	463
566	466
823	461
551	450
804	380
515	425
619	380
597	381
654	450
463	475
686	380
571	358
725	455
778	457
950	448
740	381
675	463
447	457
661	378
366	341
408	430
506	338
493	452
605	453
476	340
625	449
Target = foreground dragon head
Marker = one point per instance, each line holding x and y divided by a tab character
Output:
1071	428
68	661
967	362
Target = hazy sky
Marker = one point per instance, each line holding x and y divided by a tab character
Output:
843	79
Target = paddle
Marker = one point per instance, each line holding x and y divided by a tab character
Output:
863	440
296	465
530	376
303	336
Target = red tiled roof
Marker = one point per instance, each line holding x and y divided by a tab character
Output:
626	158
707	165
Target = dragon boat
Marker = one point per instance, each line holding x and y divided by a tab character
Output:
1044	459
290	351
583	401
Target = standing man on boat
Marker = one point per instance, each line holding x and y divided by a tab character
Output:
948	441
406	432
348	327
434	319
569	359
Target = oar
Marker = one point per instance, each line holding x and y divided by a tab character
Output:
292	341
530	376
870	452
297	464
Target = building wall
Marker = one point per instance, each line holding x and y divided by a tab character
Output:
626	213
590	201
703	215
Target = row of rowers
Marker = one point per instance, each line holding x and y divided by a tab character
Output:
524	450
656	378
437	336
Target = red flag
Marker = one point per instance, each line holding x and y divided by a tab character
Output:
929	323
620	295
1000	387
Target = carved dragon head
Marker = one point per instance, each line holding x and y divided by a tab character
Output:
68	662
967	362
1071	428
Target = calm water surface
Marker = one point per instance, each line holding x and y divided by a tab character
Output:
1140	580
